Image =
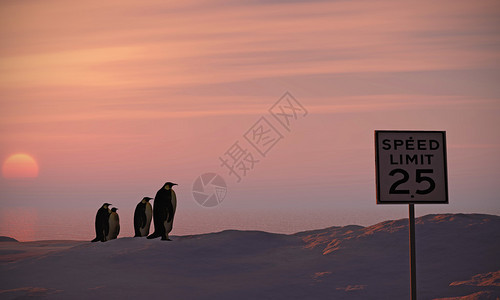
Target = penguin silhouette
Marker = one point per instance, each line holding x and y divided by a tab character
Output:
169	223
102	223
142	217
163	211
114	224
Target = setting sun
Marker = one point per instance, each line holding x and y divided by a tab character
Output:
20	166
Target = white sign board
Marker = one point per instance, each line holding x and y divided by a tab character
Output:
411	167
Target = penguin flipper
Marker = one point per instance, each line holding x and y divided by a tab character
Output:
140	215
137	224
106	229
170	211
143	219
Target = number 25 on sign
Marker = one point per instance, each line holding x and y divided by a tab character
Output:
411	167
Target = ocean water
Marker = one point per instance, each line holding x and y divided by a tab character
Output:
29	224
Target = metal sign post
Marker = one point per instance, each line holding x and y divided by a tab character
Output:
411	168
413	267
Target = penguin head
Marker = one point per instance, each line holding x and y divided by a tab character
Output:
146	199
114	209
106	205
169	185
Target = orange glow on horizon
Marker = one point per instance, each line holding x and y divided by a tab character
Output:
20	166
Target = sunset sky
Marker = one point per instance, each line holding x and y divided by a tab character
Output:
114	98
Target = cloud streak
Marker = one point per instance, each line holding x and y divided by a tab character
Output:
176	46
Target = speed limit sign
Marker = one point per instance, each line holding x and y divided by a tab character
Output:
411	167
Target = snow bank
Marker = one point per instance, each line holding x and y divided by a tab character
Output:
351	262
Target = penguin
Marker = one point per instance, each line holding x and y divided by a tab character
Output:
163	211
114	225
102	223
169	223
142	217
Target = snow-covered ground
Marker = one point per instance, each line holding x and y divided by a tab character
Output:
457	255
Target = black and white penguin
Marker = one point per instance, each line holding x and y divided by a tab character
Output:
163	211
142	217
114	225
102	223
169	223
